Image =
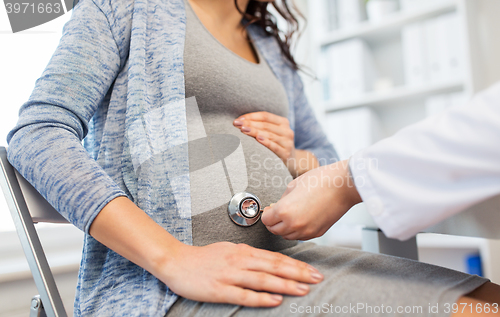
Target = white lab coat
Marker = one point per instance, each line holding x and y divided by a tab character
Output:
433	169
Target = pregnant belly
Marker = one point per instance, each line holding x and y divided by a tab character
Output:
250	167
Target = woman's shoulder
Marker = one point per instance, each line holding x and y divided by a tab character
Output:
117	14
269	47
111	8
121	13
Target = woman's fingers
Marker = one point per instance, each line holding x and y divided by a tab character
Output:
282	135
279	150
280	130
271	130
264	116
284	276
276	265
276	125
264	282
237	274
271	268
245	297
283	142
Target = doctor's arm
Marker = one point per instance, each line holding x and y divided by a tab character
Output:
423	174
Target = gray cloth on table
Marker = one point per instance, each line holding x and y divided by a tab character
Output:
227	86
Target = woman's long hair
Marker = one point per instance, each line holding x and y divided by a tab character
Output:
257	13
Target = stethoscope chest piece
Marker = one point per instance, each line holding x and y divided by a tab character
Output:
244	209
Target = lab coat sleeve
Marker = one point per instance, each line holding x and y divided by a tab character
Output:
433	169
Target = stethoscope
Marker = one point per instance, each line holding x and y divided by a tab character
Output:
244	209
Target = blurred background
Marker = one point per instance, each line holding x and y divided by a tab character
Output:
23	57
370	69
381	65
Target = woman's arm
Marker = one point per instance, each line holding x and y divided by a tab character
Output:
221	272
45	145
309	134
46	148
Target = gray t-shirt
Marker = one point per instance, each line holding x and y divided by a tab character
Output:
227	86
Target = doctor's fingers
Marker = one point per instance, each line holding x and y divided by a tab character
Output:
283	209
271	216
303	235
295	228
280	229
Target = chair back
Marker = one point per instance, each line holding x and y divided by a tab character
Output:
27	207
39	208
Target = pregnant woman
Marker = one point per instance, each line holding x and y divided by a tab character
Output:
183	104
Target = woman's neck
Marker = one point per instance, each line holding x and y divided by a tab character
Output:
223	20
220	14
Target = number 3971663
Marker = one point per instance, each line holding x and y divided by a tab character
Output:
478	308
30	7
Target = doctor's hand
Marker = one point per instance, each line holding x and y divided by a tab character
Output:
274	132
238	274
312	203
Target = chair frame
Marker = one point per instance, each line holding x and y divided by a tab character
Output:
19	194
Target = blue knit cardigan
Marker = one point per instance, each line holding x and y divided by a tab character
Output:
116	61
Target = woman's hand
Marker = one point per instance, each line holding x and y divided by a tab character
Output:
275	133
221	272
312	203
236	274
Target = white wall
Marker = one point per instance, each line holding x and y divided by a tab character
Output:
23	57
